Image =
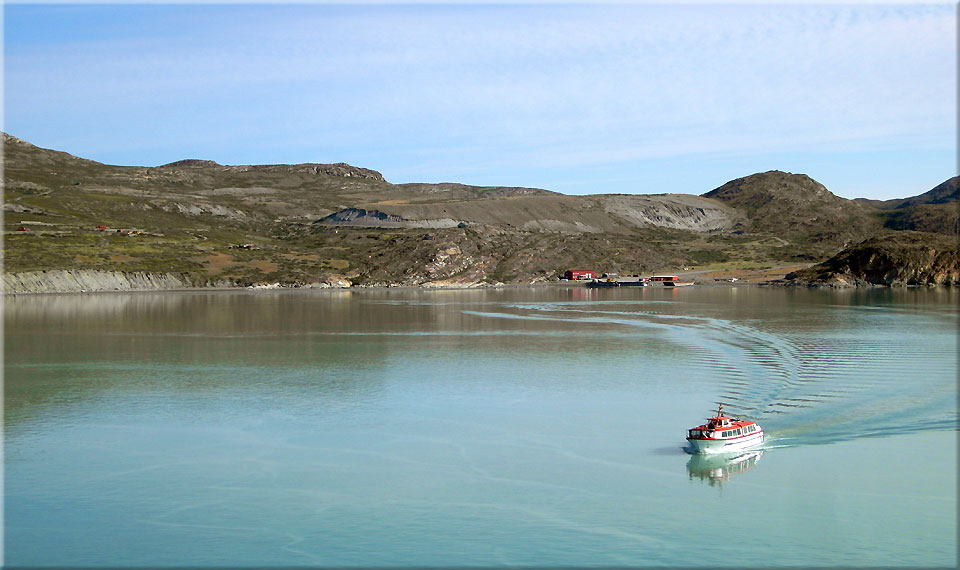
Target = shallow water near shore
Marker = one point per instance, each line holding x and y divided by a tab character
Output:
528	426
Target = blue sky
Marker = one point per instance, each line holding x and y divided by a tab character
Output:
575	98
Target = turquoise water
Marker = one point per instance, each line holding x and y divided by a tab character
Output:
540	426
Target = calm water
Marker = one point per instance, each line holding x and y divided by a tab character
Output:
538	426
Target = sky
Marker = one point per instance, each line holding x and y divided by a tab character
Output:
631	98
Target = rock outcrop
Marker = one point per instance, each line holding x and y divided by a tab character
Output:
897	259
340	169
190	162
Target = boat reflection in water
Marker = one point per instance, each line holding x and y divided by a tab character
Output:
717	469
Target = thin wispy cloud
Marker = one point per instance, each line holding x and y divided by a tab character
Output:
486	94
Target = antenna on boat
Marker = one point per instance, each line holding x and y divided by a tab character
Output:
719	409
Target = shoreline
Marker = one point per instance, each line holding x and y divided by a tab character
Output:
378	287
503	286
85	282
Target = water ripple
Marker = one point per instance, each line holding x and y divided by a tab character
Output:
807	388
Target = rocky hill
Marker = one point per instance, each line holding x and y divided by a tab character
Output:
304	224
935	211
900	258
797	207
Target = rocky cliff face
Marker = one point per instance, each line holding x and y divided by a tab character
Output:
93	281
902	258
82	281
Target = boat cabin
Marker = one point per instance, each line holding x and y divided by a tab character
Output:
723	427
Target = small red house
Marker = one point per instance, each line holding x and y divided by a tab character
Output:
579	274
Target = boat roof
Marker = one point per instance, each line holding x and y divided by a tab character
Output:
719	418
731	422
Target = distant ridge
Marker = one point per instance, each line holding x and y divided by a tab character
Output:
190	162
935	211
948	191
337	169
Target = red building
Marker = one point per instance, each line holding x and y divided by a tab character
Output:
579	274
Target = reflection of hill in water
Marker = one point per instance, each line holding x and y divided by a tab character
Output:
717	469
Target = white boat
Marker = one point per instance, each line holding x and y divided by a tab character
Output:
723	434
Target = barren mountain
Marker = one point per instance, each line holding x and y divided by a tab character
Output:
202	222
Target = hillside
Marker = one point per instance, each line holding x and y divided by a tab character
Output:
900	258
935	211
798	208
556	212
207	223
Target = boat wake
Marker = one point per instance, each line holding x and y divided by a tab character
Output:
805	385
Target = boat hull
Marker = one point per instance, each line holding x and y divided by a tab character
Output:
708	446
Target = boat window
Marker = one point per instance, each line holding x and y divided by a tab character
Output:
739	432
